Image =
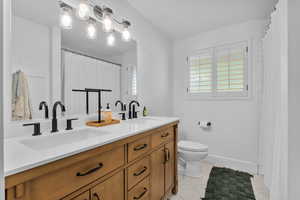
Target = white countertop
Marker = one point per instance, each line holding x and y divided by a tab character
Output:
23	153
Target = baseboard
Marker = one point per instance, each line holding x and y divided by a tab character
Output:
232	163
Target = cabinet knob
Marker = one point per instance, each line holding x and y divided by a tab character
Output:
140	171
140	147
167	155
165	135
141	195
100	165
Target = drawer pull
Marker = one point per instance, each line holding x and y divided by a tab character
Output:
140	147
142	194
165	135
90	171
140	172
96	196
167	155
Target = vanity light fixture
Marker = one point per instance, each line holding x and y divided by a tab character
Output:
66	19
125	32
107	20
91	29
86	10
83	10
111	39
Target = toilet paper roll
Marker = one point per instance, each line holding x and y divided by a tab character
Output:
205	124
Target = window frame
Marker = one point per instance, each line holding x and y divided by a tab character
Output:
214	95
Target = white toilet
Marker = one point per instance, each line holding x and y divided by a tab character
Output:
191	154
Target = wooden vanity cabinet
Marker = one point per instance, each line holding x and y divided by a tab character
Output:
169	166
158	174
162	171
140	167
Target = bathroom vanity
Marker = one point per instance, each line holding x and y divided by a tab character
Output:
136	159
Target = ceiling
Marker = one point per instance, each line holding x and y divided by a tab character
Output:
183	18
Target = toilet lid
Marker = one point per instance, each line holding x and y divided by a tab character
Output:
192	146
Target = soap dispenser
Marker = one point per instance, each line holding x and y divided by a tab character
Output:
107	114
145	111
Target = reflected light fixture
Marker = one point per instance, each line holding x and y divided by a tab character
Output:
126	36
66	19
88	11
91	29
111	39
83	10
107	19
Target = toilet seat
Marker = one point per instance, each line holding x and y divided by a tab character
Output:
192	146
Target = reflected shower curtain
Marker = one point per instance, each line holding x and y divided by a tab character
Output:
274	126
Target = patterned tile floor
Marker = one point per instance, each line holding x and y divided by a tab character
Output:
194	188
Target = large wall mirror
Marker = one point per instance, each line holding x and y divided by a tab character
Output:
49	61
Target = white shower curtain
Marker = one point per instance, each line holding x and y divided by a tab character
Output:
274	128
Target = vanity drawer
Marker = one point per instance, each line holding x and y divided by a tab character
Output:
138	172
138	148
162	136
141	191
66	180
83	196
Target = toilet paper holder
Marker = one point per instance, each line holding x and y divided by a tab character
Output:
204	124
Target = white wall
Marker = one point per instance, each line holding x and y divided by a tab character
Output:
294	98
154	52
233	138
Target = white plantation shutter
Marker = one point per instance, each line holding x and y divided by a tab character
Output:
219	71
231	62
134	82
200	72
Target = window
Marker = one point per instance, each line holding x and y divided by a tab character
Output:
201	72
134	82
132	85
219	71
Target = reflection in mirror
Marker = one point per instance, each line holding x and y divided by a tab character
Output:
48	61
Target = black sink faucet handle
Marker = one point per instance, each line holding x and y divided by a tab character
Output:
69	123
123	115
37	128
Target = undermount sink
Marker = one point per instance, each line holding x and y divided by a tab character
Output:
60	139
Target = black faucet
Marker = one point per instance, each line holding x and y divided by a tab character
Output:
54	119
37	128
123	108
132	113
44	104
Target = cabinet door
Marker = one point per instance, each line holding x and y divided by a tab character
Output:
169	166
157	174
111	189
83	196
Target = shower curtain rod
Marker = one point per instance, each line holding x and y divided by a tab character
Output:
96	58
